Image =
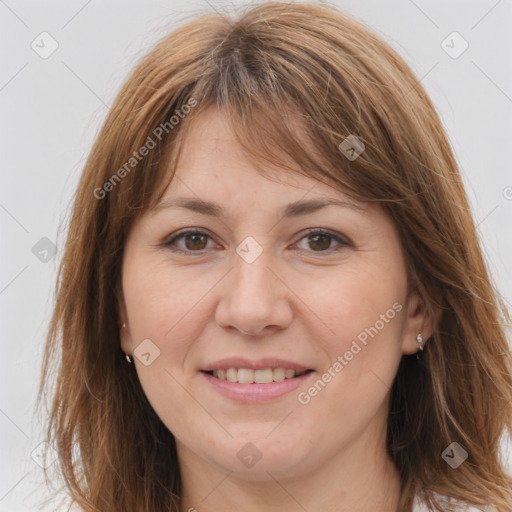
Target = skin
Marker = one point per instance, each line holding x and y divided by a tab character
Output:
300	300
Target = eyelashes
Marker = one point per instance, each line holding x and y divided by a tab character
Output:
317	235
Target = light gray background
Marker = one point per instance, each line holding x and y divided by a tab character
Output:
51	109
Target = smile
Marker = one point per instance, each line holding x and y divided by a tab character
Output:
248	390
249	376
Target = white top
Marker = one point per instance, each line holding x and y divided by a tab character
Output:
422	508
419	506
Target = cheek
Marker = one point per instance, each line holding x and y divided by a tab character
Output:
354	301
164	305
364	311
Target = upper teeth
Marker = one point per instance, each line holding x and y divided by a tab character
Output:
248	376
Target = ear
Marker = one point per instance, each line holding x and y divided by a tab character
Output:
419	319
125	336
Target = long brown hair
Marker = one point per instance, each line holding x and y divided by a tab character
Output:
273	68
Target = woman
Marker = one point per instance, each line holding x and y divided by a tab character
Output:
272	294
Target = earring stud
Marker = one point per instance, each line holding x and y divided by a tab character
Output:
419	339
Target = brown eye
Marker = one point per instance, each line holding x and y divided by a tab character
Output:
319	240
194	241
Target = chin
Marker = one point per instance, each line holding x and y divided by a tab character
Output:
261	459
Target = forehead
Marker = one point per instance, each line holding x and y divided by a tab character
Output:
213	163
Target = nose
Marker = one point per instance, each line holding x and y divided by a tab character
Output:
254	299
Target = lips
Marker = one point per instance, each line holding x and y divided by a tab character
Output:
253	393
255	381
260	364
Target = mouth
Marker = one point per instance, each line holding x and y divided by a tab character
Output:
247	386
255	380
250	376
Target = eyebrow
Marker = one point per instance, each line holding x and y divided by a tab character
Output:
294	209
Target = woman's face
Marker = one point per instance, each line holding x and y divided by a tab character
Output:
254	286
